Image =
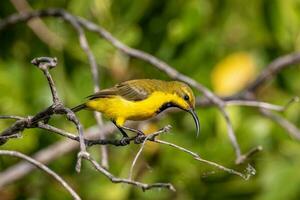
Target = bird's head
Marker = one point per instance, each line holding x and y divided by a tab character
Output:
185	100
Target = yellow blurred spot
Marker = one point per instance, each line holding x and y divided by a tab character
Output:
233	73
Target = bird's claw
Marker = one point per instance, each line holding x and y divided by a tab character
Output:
139	139
140	133
125	141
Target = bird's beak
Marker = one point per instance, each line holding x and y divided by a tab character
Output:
195	117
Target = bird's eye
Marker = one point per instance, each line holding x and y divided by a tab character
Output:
186	97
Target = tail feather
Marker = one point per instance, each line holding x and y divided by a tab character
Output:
79	107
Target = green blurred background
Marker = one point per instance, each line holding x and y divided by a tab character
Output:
212	41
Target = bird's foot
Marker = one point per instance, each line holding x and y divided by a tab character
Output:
140	133
125	141
139	138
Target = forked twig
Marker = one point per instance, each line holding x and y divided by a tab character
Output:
151	136
143	186
197	157
45	64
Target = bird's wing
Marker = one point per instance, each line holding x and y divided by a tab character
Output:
130	90
106	93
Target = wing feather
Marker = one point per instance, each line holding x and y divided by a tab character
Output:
130	90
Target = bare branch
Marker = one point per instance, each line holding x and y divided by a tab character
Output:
6	137
197	157
114	179
148	137
293	131
249	154
261	104
44	168
49	154
39	27
63	147
273	69
258	104
95	75
231	134
17	127
10	117
45	64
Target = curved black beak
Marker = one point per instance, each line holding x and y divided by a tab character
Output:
195	117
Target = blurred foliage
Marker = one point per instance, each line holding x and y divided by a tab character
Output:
198	38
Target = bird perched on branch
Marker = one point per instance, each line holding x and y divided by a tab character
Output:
139	100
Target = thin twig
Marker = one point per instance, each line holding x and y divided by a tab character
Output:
26	123
10	117
261	104
273	69
249	154
61	148
14	129
44	168
6	137
197	157
258	104
293	131
148	137
114	179
50	153
44	64
95	75
39	27
231	134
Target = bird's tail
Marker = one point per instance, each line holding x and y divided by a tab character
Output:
79	107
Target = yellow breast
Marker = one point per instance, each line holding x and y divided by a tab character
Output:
120	109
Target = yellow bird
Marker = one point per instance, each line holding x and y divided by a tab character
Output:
139	100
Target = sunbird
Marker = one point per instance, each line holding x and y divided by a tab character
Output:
139	100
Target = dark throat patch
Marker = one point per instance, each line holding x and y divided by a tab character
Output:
165	106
